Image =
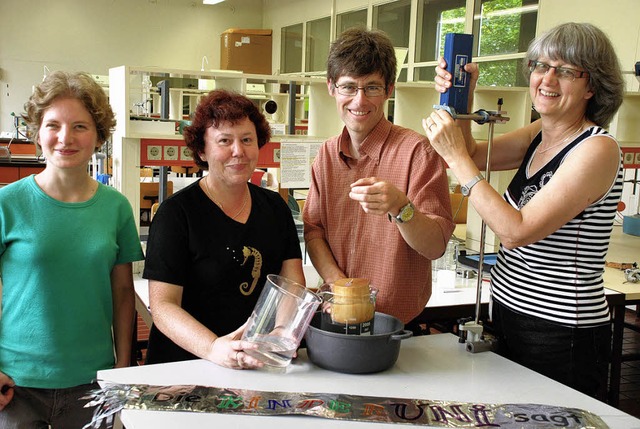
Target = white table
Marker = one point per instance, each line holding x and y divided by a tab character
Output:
429	367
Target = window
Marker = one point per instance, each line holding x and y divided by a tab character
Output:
394	19
502	31
503	27
502	73
291	52
346	20
317	48
435	19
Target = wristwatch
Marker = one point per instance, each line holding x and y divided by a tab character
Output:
405	214
466	189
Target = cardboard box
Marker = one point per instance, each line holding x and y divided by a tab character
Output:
246	50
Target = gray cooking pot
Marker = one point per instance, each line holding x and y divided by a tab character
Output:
356	354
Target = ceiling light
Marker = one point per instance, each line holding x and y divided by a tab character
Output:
212	1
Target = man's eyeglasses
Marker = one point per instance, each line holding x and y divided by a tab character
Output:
369	90
564	73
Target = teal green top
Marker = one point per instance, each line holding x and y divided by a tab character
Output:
55	262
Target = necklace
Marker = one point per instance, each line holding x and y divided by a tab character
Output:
219	204
566	139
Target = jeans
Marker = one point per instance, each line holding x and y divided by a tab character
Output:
33	408
576	357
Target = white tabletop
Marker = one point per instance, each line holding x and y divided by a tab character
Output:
434	367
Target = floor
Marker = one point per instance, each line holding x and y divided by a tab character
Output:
629	384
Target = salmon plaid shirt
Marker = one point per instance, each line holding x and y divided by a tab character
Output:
370	246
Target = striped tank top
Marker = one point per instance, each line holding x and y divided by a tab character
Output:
558	278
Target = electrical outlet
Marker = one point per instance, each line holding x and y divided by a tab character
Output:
186	154
637	161
628	158
154	153
171	153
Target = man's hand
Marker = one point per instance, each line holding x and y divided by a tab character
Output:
377	196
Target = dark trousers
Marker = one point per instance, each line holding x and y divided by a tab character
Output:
577	357
33	408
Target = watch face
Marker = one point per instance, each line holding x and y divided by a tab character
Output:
407	213
464	191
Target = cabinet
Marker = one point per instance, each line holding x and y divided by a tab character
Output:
13	171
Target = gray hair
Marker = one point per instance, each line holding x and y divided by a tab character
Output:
586	46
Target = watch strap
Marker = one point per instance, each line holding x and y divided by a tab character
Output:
466	189
399	218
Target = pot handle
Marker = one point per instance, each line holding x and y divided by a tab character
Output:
402	336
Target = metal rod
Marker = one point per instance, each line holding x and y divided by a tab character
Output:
292	108
481	117
483	228
162	186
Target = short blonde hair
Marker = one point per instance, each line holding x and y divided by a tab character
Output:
80	86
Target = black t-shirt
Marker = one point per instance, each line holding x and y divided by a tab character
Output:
221	264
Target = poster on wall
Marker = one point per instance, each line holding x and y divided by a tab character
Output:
296	158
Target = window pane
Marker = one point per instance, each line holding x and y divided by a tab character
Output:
424	74
402	76
346	20
291	49
435	19
394	19
503	73
317	44
504	26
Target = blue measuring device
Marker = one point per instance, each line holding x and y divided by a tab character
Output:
457	53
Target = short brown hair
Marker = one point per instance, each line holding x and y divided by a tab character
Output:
359	52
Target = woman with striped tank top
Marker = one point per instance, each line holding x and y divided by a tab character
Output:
556	217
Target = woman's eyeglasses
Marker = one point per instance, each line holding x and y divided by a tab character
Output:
369	90
564	73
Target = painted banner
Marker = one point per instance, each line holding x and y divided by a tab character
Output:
435	413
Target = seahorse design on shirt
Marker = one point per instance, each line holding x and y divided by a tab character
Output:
255	271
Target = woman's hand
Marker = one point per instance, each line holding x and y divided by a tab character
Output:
445	136
443	77
6	390
228	351
449	138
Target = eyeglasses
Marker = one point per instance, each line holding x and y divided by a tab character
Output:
369	90
564	73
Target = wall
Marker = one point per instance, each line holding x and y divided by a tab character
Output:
95	35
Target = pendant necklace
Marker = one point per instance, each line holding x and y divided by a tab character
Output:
566	139
219	204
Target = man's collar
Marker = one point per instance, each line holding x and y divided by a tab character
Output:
372	144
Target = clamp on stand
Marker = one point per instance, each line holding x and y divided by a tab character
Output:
471	331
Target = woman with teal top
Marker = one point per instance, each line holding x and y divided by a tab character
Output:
67	244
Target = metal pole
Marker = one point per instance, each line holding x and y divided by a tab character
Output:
292	108
475	341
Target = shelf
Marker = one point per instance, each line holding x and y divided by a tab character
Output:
626	124
131	89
